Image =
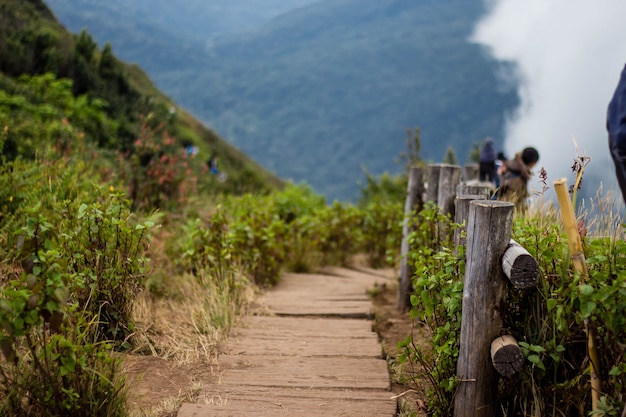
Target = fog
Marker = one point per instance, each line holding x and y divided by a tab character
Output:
565	58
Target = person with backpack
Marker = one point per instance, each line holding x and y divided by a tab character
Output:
514	176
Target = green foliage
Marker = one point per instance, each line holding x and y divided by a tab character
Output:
450	156
551	321
474	155
40	111
293	229
381	228
436	302
413	154
383	188
51	370
548	321
258	235
73	263
98	95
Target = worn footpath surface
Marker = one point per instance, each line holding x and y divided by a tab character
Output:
310	351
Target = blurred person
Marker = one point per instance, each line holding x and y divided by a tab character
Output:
616	127
487	162
514	176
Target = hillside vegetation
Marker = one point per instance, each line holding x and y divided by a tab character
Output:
109	221
35	43
320	91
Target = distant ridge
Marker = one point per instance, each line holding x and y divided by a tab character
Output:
321	91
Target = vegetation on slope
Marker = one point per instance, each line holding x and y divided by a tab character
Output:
104	210
35	43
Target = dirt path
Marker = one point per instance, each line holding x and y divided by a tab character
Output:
311	352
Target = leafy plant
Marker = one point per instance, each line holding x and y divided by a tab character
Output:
436	303
548	321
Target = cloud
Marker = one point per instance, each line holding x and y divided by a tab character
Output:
566	58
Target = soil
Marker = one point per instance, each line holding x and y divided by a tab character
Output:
393	327
157	387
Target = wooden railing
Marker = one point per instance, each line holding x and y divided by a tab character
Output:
493	263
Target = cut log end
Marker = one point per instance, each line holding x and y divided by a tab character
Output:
520	267
506	356
525	272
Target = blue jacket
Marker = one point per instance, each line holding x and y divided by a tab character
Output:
616	127
488	153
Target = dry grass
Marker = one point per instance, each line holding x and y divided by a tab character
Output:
177	341
188	324
169	406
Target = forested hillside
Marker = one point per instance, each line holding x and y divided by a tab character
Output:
317	92
115	103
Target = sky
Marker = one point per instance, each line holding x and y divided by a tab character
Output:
566	56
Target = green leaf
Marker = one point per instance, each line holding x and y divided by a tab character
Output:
616	371
81	210
62	294
587	308
536	360
586	289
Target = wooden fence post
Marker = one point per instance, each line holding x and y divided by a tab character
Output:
470	172
488	234
432	188
449	178
413	204
461	213
477	188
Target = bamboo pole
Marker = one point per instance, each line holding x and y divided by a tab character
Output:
578	259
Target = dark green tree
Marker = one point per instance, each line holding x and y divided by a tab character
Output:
412	156
474	155
450	156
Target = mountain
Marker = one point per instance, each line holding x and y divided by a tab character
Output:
317	91
112	103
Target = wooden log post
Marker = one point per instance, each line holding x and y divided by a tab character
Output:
506	356
413	204
461	213
520	267
449	178
482	188
484	291
432	187
470	172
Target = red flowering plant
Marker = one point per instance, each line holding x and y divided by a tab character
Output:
159	169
